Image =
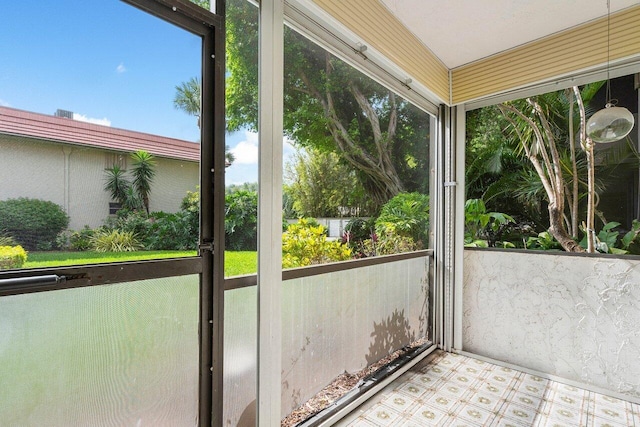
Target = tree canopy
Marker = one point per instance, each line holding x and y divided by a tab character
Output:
329	106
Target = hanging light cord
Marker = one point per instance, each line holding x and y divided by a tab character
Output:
609	102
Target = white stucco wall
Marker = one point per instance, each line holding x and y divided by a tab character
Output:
576	317
36	169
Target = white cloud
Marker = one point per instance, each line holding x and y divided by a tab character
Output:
246	152
121	68
4	103
83	118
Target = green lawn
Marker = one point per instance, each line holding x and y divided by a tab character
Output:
236	263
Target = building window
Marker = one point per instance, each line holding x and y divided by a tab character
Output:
114	207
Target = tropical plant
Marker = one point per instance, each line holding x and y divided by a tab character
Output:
132	193
545	127
543	241
405	215
143	172
115	241
481	226
117	184
306	244
187	97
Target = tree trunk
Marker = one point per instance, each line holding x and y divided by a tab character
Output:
558	231
587	146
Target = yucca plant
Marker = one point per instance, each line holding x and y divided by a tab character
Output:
115	241
143	173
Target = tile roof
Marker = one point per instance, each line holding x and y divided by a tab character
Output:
69	131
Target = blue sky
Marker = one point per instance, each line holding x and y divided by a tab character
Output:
108	63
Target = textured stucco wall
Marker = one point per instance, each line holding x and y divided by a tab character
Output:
74	177
571	316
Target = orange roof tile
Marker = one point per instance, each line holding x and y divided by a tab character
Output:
68	131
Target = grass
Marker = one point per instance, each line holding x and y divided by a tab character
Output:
236	263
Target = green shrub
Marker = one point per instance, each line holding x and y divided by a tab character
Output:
115	241
387	244
406	215
306	244
241	221
12	257
81	240
136	222
32	223
171	232
190	206
483	228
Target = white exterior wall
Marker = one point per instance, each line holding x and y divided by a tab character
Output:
73	177
31	170
575	317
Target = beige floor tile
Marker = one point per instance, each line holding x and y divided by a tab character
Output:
462	391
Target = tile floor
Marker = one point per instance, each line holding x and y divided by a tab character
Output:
452	390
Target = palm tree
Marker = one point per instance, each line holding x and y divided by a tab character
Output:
187	99
143	173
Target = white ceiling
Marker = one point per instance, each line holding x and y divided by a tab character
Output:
480	28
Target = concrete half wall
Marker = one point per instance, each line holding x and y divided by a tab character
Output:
575	317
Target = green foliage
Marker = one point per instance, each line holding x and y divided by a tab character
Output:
132	193
405	215
382	136
544	241
171	232
480	224
356	232
115	241
7	241
12	257
387	244
306	244
32	223
187	97
81	240
143	172
190	206
606	239
241	221
321	185
631	242
498	170
117	184
245	186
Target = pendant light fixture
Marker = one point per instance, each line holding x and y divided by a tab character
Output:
612	123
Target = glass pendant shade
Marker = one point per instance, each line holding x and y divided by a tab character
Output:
610	124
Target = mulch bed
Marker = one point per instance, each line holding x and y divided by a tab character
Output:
340	386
